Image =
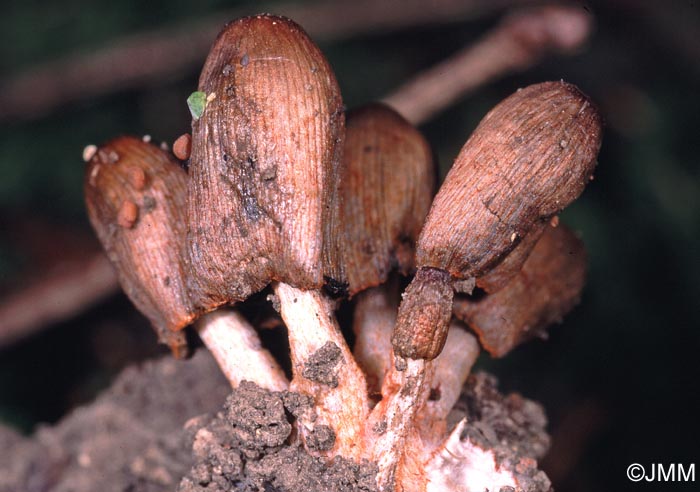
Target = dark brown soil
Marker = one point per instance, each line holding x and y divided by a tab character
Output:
158	423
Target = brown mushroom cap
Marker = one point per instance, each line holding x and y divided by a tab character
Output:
264	163
386	186
548	286
530	157
135	195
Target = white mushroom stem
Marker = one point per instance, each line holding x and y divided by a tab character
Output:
373	322
452	367
407	408
340	402
392	420
236	347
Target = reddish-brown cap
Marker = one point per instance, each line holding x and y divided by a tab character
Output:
135	195
548	286
264	163
386	187
530	157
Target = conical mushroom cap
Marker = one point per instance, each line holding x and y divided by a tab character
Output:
264	163
530	157
135	195
386	186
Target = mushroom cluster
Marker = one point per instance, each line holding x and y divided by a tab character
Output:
283	189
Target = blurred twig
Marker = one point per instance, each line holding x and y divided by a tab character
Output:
529	36
162	53
516	44
56	297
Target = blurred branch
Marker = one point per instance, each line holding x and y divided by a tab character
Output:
516	44
528	35
56	297
146	57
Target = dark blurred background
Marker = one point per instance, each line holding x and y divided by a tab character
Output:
619	378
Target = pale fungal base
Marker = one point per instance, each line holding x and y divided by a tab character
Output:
236	347
461	466
406	434
340	393
452	367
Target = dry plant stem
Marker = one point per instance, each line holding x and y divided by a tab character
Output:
516	44
237	349
373	322
340	403
159	54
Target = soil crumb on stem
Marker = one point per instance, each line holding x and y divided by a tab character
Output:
321	366
249	446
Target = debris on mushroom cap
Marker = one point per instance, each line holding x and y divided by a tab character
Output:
264	163
548	286
386	186
135	196
530	157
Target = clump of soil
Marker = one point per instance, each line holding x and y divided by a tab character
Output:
158	423
246	447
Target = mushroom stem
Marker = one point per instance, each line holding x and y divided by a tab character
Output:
236	347
404	394
419	397
324	368
373	322
452	368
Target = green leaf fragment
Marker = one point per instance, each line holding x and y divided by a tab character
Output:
197	102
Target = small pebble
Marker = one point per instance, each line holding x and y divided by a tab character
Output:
128	214
182	147
89	152
146	138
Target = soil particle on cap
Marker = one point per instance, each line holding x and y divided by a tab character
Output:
321	366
